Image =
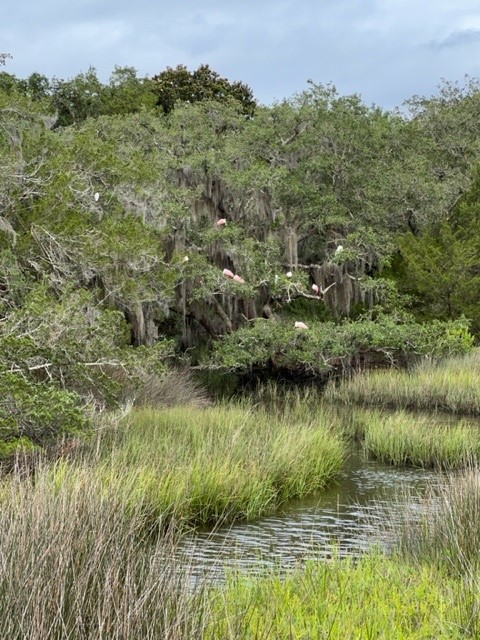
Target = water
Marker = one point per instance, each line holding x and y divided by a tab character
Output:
344	520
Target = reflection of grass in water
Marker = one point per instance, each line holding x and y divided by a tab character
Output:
450	385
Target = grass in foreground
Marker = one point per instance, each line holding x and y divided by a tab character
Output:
218	463
450	385
72	565
375	597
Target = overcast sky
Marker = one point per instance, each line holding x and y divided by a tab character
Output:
386	50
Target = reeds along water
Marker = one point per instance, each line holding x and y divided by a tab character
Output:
444	533
78	561
219	463
403	438
452	384
74	565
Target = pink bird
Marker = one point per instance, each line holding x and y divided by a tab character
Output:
239	279
315	289
300	325
228	273
222	222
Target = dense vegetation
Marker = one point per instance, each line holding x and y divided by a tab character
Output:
149	221
78	560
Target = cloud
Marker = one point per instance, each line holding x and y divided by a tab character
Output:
457	38
384	50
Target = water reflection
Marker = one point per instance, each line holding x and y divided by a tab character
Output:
345	520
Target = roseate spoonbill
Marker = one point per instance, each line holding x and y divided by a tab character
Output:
222	222
300	325
237	278
228	273
289	274
315	289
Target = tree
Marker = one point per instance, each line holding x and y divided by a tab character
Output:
126	93
78	98
181	85
441	265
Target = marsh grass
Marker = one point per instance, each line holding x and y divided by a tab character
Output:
446	531
403	438
451	385
443	532
175	388
218	464
73	565
374	597
76	560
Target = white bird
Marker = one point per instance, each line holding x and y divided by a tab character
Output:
96	196
239	279
186	259
228	273
339	249
315	289
300	325
289	274
222	222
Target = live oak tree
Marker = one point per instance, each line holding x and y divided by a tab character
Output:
112	259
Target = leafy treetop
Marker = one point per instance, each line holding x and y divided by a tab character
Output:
180	84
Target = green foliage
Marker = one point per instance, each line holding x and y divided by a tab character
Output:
374	597
36	413
440	268
109	229
181	85
78	98
402	439
222	463
325	346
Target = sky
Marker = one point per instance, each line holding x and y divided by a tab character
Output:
384	50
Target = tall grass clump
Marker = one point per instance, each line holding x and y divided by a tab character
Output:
402	438
444	533
219	463
177	387
446	529
74	565
451	385
374	597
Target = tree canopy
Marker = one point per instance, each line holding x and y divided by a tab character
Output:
136	233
